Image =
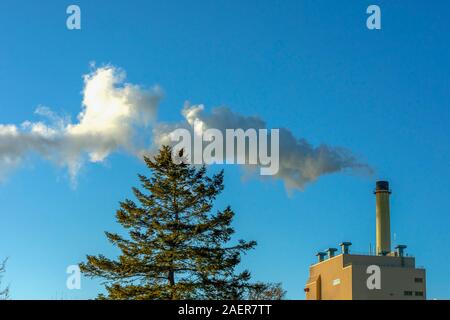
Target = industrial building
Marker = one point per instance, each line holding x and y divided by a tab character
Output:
382	275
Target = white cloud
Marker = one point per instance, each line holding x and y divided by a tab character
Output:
112	112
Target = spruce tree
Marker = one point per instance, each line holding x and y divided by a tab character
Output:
176	247
4	293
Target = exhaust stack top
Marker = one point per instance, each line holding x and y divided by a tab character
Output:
383	224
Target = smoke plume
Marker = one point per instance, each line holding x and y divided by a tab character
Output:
114	114
300	162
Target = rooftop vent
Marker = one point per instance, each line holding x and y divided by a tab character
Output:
400	249
345	247
320	256
330	252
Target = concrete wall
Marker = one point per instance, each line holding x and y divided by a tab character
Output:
394	282
392	261
335	281
344	277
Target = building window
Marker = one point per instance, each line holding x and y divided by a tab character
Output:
408	293
336	282
419	294
418	280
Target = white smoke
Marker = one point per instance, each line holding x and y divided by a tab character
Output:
300	162
114	113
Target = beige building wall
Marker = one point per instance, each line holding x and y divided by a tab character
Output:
344	277
335	280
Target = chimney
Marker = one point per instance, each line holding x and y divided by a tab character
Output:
383	225
330	252
400	250
345	247
320	256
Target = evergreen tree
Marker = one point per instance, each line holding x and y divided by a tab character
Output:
177	247
4	293
265	291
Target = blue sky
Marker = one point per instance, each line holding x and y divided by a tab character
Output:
311	66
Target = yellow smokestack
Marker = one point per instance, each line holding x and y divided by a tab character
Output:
383	223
